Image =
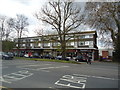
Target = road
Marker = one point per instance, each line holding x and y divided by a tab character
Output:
42	74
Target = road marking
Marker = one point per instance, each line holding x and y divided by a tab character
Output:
2	87
72	81
2	80
96	77
37	69
16	76
45	70
52	67
33	65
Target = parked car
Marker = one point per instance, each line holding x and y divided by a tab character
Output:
80	59
26	55
58	57
61	58
21	55
48	56
5	56
36	55
10	54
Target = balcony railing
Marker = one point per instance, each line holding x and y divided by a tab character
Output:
83	46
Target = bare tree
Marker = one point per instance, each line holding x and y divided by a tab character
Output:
105	17
63	16
19	24
2	26
39	31
5	28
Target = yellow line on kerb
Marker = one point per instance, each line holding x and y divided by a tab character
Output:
5	87
2	87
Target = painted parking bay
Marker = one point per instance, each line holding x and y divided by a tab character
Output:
80	81
9	78
72	81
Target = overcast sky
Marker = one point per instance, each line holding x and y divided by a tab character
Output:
27	7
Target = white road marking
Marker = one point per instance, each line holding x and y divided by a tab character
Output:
45	70
96	77
33	65
28	67
2	80
52	67
17	75
77	81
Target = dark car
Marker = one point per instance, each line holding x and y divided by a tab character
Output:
36	55
5	56
48	56
80	59
10	54
61	58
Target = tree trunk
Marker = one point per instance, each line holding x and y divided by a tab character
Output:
116	56
63	47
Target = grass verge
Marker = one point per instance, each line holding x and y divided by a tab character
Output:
50	60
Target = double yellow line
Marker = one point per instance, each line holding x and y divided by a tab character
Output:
2	87
5	88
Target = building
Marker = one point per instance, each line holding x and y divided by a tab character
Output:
80	42
106	53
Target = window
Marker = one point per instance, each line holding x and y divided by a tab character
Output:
46	44
16	45
31	44
39	44
82	37
86	36
70	44
86	42
81	43
91	36
35	44
23	45
91	43
36	39
16	40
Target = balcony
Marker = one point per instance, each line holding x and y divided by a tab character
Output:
46	46
36	46
69	46
83	46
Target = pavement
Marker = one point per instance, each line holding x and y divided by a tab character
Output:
52	75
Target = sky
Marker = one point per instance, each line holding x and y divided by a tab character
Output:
10	8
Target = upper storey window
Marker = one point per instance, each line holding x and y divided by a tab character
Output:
82	37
